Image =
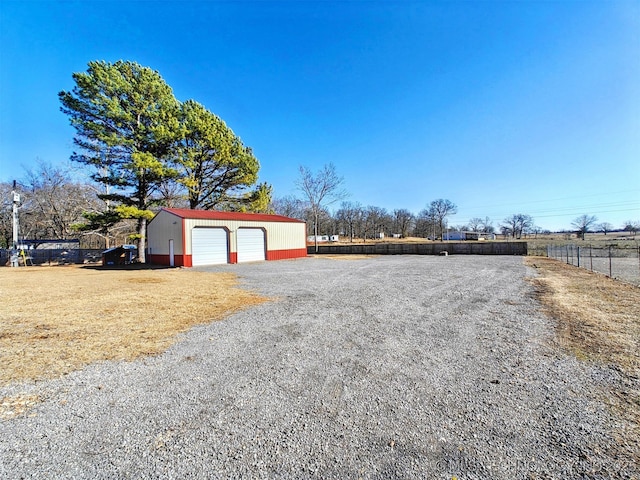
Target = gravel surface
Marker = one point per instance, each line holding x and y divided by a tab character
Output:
387	367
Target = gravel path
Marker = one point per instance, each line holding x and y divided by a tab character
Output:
388	367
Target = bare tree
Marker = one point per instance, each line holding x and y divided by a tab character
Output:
425	226
632	226
289	206
483	225
54	203
605	227
487	225
476	224
376	220
440	209
583	224
516	225
320	189
348	216
402	221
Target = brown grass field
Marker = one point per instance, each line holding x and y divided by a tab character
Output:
598	320
58	319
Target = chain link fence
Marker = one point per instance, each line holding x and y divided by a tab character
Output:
54	256
615	262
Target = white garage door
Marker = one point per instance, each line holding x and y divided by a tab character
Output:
209	246
250	245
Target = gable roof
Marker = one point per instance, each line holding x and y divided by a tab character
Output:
217	215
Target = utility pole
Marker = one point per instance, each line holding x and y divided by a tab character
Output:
16	201
14	251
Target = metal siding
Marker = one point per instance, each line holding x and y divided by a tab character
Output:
164	227
279	235
250	244
210	246
286	254
286	236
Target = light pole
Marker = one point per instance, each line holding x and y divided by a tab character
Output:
16	201
14	251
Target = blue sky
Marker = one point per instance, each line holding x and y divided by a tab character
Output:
500	107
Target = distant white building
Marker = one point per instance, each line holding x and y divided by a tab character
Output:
459	235
318	238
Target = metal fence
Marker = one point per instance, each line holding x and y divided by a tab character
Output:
54	256
615	262
435	248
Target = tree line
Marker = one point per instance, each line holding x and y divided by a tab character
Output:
143	149
55	206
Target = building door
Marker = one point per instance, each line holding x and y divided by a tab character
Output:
209	246
251	245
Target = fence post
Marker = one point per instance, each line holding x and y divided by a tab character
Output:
591	257
610	274
578	257
571	254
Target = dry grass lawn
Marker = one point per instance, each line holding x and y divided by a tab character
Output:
58	319
598	319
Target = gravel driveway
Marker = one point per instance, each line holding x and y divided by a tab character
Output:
387	367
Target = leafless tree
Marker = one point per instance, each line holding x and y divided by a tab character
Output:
403	220
483	225
632	226
516	224
349	216
583	223
320	189
289	206
440	209
53	203
476	224
425	225
605	227
487	225
376	221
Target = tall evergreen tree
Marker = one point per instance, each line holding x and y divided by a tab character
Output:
126	121
215	166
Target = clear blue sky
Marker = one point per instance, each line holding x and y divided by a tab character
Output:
500	107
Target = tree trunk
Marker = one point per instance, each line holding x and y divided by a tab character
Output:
315	231
142	241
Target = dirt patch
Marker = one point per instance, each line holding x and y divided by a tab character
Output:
58	319
598	320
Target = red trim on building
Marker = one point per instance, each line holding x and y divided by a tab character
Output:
158	259
185	260
215	215
286	254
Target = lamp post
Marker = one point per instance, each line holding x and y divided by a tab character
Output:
14	250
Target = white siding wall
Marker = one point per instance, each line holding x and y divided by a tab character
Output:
280	235
165	226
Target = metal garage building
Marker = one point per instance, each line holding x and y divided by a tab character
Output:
191	238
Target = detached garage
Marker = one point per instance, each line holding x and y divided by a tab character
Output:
191	238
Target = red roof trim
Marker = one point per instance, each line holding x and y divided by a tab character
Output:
216	215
